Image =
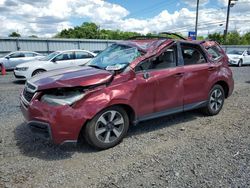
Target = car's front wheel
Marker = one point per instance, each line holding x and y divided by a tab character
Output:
215	100
38	71
107	128
240	63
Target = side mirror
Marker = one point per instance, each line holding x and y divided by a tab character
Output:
7	57
53	60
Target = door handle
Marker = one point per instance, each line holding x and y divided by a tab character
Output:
178	75
146	75
211	68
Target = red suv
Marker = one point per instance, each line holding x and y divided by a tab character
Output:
129	82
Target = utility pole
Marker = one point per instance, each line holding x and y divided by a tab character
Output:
231	3
196	22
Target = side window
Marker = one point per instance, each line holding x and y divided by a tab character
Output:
29	54
192	55
214	52
64	56
83	55
166	59
17	55
248	53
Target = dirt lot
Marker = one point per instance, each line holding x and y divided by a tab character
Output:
184	150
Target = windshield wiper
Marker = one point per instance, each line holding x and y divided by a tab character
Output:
95	66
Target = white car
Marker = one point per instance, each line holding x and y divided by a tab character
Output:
55	60
11	60
239	57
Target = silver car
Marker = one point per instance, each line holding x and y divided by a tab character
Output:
12	59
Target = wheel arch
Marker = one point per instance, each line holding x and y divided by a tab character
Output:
224	85
32	74
129	110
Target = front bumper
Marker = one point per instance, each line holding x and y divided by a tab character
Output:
59	124
19	75
233	62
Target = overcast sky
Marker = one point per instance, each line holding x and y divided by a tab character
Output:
45	18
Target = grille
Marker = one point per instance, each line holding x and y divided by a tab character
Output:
27	95
28	85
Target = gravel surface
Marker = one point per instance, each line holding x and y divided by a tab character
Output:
183	150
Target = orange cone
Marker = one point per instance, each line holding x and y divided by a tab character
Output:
3	70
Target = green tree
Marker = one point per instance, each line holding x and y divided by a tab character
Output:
33	36
233	38
92	31
14	34
216	37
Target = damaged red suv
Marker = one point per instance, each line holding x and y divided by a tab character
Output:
129	82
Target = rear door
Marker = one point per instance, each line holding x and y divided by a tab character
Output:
196	74
82	57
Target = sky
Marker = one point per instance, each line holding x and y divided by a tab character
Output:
45	18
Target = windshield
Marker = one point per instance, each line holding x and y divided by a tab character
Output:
236	52
49	57
116	55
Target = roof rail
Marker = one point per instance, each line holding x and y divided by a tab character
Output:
173	34
141	37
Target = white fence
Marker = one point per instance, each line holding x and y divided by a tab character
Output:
41	45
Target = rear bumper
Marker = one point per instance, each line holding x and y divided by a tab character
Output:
59	124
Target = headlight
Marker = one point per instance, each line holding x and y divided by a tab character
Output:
62	97
236	58
21	68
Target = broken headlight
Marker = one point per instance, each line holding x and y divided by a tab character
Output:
62	96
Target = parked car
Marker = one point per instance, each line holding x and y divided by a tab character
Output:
11	60
129	82
239	57
55	60
97	51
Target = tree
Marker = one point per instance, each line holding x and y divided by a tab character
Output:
33	36
92	31
233	38
14	34
216	37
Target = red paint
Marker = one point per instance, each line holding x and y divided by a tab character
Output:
164	89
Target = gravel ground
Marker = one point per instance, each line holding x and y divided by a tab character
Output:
184	150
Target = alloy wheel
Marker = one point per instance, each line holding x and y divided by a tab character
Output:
109	126
216	100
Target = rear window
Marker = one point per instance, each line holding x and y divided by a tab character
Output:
214	52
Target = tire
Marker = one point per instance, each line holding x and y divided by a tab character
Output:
240	63
107	128
38	71
215	101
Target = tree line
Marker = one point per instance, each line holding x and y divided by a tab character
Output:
92	31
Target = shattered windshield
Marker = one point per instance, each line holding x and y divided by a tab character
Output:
116	56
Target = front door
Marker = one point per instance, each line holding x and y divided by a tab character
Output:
63	60
160	85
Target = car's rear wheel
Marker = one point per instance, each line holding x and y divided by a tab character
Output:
38	71
240	63
107	128
215	101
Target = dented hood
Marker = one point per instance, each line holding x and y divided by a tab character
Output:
70	77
